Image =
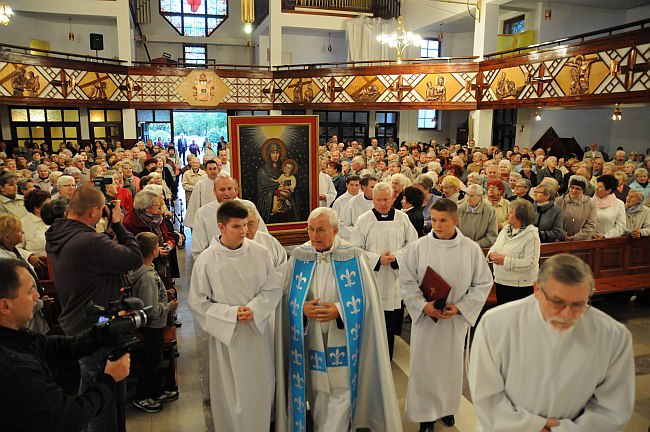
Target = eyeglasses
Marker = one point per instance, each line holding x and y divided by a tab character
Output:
318	230
559	305
69	185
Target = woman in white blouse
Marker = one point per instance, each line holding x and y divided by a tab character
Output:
33	225
515	254
610	211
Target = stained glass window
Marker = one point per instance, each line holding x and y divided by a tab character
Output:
195	18
195	54
514	25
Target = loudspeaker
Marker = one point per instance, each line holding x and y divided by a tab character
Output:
96	41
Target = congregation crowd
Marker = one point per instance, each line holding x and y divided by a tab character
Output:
317	328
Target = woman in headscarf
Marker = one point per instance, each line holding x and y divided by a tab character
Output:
147	217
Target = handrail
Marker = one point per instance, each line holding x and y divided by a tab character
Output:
582	36
212	65
81	57
373	62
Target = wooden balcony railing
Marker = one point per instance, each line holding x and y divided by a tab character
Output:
385	9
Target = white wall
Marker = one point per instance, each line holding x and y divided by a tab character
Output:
408	126
457	44
589	125
637	13
227	44
55	28
570	20
307	47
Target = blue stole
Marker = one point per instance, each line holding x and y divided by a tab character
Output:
350	290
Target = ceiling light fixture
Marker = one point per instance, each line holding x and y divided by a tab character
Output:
5	13
618	113
538	115
71	34
400	39
248	14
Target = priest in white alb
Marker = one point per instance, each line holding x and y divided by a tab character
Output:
326	190
234	291
276	250
205	221
337	358
357	206
382	232
353	186
550	362
437	335
203	192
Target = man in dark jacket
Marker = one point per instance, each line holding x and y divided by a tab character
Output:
30	399
89	266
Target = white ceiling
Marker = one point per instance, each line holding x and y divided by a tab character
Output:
604	4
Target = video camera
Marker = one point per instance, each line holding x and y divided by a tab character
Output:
100	183
118	330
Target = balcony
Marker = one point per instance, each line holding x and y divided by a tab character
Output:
385	9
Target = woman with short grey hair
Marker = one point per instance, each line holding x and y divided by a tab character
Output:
477	219
549	218
579	211
638	215
515	254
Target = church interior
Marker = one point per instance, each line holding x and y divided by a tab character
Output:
556	75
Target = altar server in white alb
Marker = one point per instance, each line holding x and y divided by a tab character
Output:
203	192
436	379
337	358
381	233
276	250
353	186
205	220
357	206
326	190
550	362
234	290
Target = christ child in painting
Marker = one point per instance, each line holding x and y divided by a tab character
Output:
287	185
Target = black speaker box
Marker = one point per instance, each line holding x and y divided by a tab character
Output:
96	41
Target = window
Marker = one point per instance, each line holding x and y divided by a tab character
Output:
346	125
428	119
514	25
386	126
430	48
154	123
45	125
195	54
196	18
105	125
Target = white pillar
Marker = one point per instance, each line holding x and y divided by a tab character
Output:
129	124
124	34
485	42
275	33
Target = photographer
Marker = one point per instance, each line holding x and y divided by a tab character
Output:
30	399
89	266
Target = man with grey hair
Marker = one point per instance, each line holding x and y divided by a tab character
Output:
551	171
477	219
205	226
79	162
335	331
382	232
65	186
42	178
557	331
75	173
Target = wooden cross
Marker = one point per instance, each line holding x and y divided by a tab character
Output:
272	91
478	88
632	67
400	88
539	80
64	83
332	89
130	87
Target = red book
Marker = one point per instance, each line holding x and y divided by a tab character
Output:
434	287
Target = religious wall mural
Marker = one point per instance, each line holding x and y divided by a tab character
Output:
272	160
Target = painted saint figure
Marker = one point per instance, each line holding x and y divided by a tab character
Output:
580	70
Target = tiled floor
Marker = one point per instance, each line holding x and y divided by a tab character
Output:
188	413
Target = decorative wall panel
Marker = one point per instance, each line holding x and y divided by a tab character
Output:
609	70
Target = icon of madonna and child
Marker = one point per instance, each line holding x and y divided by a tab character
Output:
278	189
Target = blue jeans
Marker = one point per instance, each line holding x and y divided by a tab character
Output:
90	367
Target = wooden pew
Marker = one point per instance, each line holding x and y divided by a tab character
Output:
619	264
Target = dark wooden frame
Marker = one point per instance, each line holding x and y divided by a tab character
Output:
507	22
46	124
105	124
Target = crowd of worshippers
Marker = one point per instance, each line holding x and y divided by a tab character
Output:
573	199
315	332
